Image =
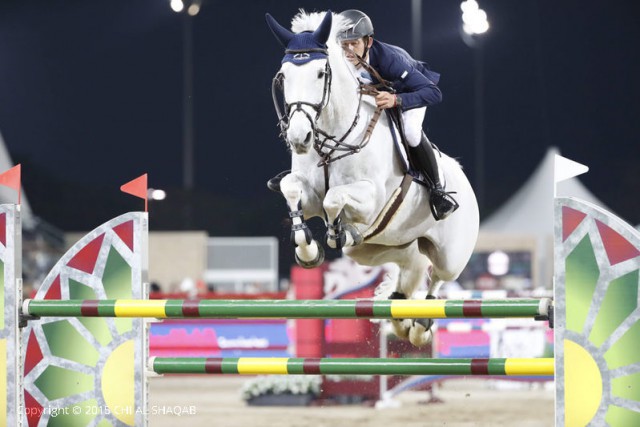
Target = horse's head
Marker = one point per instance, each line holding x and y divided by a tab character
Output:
305	77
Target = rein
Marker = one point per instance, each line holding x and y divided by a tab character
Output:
335	146
340	145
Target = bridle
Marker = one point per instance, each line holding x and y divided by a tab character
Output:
329	147
291	108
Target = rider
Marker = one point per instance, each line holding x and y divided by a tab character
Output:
415	89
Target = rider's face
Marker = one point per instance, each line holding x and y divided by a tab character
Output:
355	46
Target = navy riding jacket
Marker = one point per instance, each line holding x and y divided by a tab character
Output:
414	83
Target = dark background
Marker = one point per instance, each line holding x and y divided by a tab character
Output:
91	97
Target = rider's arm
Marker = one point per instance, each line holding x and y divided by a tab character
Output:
416	89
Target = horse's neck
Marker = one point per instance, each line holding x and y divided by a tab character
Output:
342	108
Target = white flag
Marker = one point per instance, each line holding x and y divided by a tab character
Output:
565	169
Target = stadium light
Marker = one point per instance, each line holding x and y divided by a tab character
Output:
474	19
498	263
192	6
177	6
156	194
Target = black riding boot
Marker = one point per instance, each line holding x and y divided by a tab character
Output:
274	183
424	159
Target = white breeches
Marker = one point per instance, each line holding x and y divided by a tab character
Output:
412	120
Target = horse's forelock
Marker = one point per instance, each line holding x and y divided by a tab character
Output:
305	21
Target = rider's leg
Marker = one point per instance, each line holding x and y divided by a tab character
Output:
423	157
274	183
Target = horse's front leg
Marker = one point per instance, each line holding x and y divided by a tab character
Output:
355	201
308	253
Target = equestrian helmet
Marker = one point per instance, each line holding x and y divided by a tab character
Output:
359	25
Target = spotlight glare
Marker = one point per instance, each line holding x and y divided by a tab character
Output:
469	6
498	263
481	27
156	194
474	19
177	6
194	9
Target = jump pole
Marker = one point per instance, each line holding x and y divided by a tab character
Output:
351	366
292	309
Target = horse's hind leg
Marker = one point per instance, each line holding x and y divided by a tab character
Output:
413	267
308	253
413	272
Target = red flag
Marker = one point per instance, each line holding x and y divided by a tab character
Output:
11	179
137	187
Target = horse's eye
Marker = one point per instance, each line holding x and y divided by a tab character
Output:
321	74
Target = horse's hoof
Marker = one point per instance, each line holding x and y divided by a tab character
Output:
427	323
419	335
415	332
355	234
401	328
314	262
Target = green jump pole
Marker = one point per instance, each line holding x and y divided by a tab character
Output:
292	309
346	366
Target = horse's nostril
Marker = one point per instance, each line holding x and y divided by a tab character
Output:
308	138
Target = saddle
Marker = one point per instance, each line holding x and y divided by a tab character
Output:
402	148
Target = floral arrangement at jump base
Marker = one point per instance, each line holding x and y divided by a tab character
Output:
286	390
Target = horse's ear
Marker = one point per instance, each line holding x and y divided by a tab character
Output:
321	34
282	34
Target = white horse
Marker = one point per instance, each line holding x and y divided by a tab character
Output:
351	177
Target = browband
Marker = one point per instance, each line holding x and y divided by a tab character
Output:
318	50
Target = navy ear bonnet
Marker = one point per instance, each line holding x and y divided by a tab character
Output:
301	48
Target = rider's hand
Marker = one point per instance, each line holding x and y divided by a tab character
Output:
386	100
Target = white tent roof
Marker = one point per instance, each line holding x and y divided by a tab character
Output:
529	213
7	195
530	210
